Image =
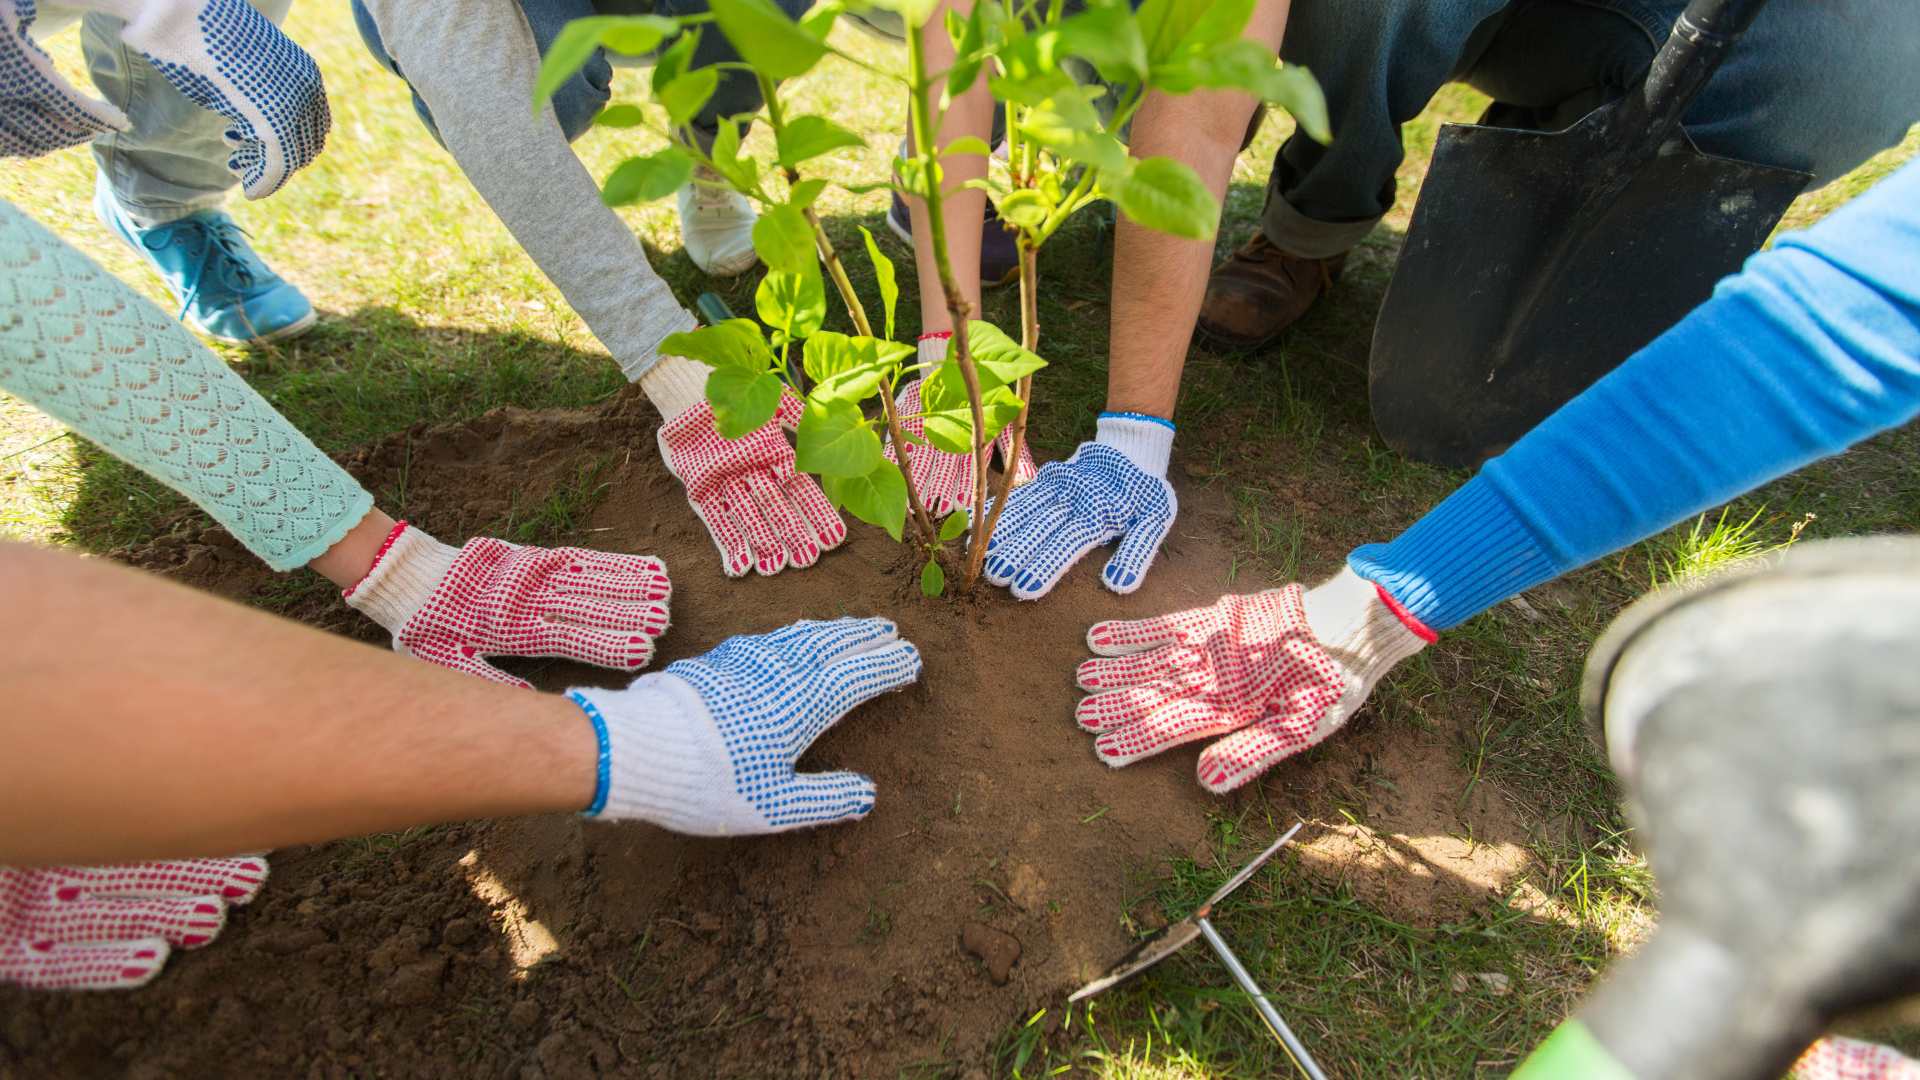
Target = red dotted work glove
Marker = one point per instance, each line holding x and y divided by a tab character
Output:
1275	672
763	514
945	481
456	607
112	927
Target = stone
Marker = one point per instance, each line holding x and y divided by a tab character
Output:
997	949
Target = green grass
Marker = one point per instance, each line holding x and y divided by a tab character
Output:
431	313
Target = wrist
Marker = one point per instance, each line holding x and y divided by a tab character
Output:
1146	440
1362	623
675	384
406	571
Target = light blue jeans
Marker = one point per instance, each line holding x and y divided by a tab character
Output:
1819	86
173	161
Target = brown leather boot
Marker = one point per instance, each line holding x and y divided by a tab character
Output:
1261	290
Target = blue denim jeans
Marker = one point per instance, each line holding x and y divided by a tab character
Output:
1814	86
582	97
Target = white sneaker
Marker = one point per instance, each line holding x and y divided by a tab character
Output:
716	225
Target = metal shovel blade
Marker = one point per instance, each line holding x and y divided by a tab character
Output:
1538	261
1168	940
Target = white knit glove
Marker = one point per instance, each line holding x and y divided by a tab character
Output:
708	746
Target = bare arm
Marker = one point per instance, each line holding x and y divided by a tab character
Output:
1160	280
145	720
963	211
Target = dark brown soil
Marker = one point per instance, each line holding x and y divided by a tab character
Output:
551	947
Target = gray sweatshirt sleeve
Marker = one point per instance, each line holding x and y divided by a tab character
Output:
473	62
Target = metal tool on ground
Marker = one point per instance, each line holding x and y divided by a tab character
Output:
1766	726
713	309
1171	939
1537	261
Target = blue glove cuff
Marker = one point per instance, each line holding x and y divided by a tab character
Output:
604	768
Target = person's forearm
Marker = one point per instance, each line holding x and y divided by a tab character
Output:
145	720
473	62
1811	348
1159	280
963	211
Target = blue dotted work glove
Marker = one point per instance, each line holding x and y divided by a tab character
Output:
40	112
708	746
228	58
1112	488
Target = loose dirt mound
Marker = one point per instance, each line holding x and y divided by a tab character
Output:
552	947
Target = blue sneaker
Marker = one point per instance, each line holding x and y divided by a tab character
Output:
224	290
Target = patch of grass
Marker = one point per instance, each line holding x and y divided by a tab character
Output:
562	513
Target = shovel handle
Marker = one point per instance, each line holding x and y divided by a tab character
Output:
1701	38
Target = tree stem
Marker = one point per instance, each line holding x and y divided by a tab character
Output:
1030	341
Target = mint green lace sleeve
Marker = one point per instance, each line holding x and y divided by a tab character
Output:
90	352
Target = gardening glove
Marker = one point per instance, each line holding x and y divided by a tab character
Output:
457	606
763	515
228	58
111	927
944	481
1280	670
1835	1058
1113	487
709	745
40	111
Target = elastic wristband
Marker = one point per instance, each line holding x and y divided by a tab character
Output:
603	769
1161	420
385	546
937	335
1420	630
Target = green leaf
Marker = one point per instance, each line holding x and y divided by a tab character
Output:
761	33
806	193
966	51
835	440
998	359
1026	208
794	304
1169	25
883	273
620	116
878	498
818	22
785	240
951	428
912	12
1109	39
1067	125
1250	66
967	144
743	401
644	179
807	137
735	343
955	524
573	46
742	172
1031	57
933	580
673	62
911	174
1220	21
684	96
1165	194
850	367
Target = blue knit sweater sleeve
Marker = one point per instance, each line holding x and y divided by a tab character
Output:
1812	347
80	346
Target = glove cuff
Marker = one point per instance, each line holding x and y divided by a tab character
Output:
662	758
933	349
1146	440
404	576
1362	626
675	384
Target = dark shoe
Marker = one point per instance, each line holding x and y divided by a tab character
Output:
1261	291
999	254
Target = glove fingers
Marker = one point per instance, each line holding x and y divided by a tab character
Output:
606	575
736	555
619	616
1177	719
1048	562
617	649
797	545
1023	470
1022	505
822	643
236	880
944	484
119	965
187	922
828	529
764	533
864	676
827	798
465	659
1120	672
1243	755
1013	545
1124	637
1128	567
